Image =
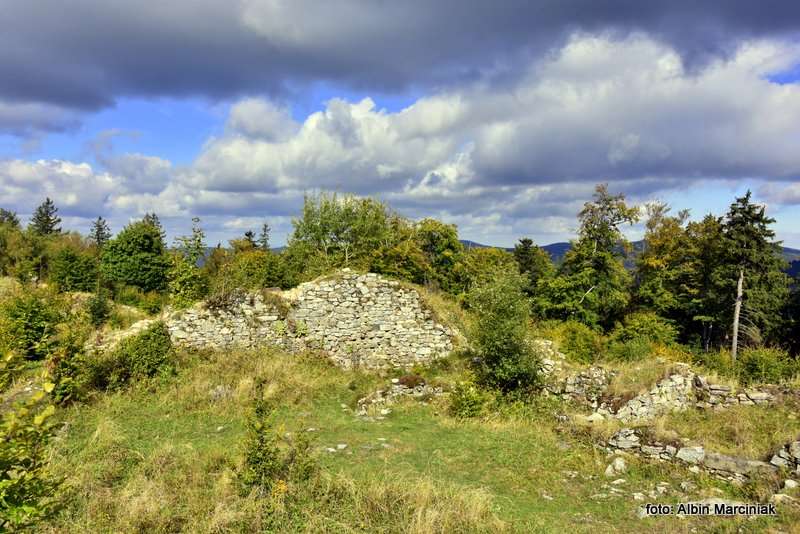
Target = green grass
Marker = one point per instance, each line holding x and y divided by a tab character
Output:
153	459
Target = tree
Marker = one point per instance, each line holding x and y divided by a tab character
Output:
9	218
263	238
100	233
500	333
478	265
754	262
153	220
45	220
592	285
439	242
250	237
663	266
533	262
74	270
193	246
338	231
137	257
704	294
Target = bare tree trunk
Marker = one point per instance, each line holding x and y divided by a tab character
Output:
737	308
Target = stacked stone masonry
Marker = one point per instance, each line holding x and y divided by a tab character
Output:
359	320
632	441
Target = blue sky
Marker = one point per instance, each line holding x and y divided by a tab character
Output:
498	121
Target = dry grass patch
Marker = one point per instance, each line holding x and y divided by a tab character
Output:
753	432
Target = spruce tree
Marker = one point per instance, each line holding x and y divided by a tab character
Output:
100	232
9	217
263	239
45	220
153	220
533	262
755	267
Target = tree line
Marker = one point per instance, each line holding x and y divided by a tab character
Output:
718	281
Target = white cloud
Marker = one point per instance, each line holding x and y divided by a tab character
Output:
506	160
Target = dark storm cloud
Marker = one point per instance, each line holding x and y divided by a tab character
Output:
86	53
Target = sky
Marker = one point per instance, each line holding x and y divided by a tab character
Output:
499	117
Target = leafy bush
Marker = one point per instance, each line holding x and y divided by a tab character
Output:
765	365
30	320
66	364
500	334
646	326
72	270
98	308
754	365
137	257
26	486
581	343
11	364
150	302
141	356
634	349
187	284
467	400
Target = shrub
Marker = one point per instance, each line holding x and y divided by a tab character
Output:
467	400
265	465
136	257
141	356
11	364
581	343
765	365
500	334
647	326
30	321
26	486
631	350
150	302
66	365
71	270
98	308
187	284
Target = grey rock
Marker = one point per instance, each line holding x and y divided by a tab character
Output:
691	455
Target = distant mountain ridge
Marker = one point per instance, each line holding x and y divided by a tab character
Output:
557	251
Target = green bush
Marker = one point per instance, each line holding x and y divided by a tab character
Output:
98	308
137	257
11	364
71	270
467	400
646	326
581	343
141	356
765	365
150	302
634	349
66	364
187	284
500	334
265	463
27	488
30	320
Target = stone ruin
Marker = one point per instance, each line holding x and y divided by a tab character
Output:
358	320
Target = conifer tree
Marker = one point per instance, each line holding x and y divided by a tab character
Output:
533	262
100	232
263	238
45	220
9	217
755	263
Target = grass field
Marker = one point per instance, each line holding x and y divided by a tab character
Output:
164	456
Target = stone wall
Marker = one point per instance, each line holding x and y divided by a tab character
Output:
633	441
359	320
